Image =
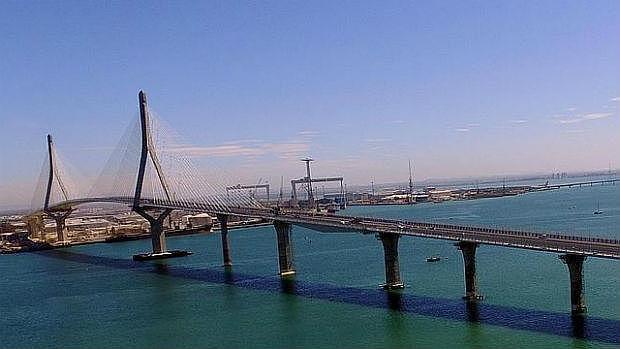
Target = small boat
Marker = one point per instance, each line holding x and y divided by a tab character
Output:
433	259
161	255
598	209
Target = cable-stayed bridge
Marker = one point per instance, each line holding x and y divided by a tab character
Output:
151	171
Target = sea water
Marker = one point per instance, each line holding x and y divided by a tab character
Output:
95	296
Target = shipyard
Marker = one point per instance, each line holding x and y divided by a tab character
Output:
23	233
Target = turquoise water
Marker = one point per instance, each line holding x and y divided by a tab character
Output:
95	296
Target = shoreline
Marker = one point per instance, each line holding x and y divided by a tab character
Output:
41	246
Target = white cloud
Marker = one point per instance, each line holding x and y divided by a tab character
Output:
290	150
585	117
225	150
283	150
468	127
377	140
615	99
308	133
570	121
518	121
595	116
244	141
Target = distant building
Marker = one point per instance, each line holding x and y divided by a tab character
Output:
87	223
338	198
15	237
6	227
198	220
396	197
420	197
10	227
440	194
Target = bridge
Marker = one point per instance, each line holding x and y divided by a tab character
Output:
151	173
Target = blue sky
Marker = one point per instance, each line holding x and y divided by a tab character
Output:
461	88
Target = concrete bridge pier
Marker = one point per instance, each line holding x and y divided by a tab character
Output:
285	248
392	269
158	236
577	294
61	229
59	217
468	249
223	220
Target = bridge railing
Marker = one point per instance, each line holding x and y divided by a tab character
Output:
456	234
413	224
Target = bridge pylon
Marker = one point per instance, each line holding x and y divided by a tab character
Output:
58	214
154	215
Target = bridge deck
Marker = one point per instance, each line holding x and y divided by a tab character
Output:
595	247
589	246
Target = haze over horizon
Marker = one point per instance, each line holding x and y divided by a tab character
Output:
463	90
